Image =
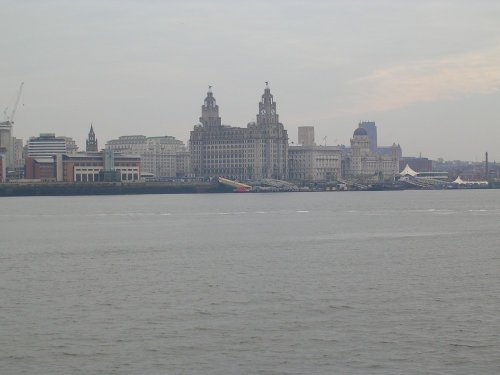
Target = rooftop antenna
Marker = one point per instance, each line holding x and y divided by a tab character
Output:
324	139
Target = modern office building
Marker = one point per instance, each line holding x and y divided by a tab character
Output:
47	144
258	151
83	167
418	164
92	167
163	157
306	136
371	131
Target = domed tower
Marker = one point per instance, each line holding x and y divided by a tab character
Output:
210	111
360	140
91	144
360	149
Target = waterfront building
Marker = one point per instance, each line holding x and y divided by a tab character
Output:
311	163
41	168
6	142
91	143
362	163
71	147
84	167
95	167
258	151
48	145
418	164
467	170
163	156
314	163
18	153
3	171
306	136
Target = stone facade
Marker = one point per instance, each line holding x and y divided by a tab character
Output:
362	163
162	156
2	165
314	163
258	151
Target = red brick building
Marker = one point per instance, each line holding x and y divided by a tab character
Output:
40	169
83	167
89	167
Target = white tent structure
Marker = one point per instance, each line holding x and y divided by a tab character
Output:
459	181
407	171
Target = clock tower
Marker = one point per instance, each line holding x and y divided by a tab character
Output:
267	109
91	144
210	111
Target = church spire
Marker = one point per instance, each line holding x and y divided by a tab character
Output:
91	144
210	110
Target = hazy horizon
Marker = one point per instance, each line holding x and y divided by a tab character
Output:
427	73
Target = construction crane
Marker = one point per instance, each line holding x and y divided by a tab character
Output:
10	119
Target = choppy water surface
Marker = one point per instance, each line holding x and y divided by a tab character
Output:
289	283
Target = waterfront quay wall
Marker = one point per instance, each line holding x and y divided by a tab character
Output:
63	189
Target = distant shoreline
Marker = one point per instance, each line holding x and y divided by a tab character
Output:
118	188
72	189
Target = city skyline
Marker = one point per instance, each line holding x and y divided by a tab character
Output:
428	74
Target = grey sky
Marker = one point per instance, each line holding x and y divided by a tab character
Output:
427	72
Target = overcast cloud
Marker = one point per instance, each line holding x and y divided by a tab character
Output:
427	72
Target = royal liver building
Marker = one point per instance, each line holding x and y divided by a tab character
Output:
258	151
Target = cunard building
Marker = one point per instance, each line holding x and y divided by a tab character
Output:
258	151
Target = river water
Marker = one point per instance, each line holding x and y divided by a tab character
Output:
285	283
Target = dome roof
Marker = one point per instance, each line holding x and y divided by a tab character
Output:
360	131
